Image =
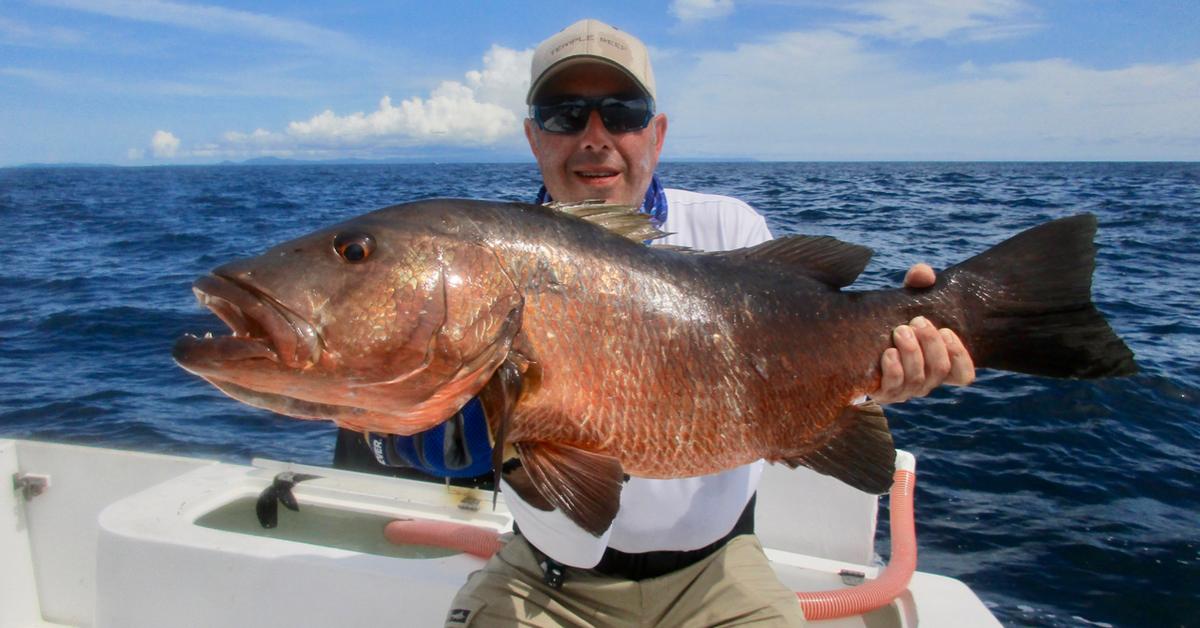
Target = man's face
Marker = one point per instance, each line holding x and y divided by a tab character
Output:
594	163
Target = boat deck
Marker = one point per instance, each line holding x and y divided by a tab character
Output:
128	539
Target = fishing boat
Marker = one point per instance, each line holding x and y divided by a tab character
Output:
108	538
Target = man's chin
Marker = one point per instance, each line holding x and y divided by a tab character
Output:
611	191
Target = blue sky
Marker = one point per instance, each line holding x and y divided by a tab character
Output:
165	81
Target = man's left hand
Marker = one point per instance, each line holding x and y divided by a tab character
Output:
923	357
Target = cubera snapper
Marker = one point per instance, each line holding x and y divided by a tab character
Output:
598	357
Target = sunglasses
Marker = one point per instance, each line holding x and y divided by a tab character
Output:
569	116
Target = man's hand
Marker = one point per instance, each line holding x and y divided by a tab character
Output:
924	357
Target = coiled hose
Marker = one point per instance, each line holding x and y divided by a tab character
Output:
866	597
469	539
879	592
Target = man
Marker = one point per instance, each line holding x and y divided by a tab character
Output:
680	552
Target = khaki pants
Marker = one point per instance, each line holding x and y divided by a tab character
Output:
734	586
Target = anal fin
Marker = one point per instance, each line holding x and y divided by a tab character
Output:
860	451
584	485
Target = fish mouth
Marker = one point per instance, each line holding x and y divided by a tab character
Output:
262	328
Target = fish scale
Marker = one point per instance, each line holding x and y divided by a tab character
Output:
752	405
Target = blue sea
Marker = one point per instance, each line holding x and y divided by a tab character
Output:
1060	503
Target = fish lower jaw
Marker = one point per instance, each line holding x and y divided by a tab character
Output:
191	349
227	350
253	316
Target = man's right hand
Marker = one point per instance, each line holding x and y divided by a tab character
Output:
924	357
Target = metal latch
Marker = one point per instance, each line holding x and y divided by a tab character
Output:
30	484
852	578
469	503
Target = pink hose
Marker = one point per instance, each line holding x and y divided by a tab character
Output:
879	592
866	597
481	542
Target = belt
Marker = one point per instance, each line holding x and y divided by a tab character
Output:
644	565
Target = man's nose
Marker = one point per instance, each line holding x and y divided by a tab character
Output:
595	135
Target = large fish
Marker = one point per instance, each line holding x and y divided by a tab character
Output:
597	356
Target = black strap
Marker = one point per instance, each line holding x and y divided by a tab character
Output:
645	565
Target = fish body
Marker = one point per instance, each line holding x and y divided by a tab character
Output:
598	356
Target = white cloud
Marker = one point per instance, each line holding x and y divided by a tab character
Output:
214	19
23	34
41	78
504	78
450	114
840	99
917	20
135	154
485	108
259	136
254	81
697	10
164	144
1059	104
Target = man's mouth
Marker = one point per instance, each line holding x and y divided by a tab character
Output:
596	175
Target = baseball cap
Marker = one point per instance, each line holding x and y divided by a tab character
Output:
591	41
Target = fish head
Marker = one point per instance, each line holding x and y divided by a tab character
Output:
389	322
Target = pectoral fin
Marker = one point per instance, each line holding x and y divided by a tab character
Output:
584	485
499	397
518	479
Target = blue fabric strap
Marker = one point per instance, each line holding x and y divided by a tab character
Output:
459	447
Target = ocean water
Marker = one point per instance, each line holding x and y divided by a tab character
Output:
1059	502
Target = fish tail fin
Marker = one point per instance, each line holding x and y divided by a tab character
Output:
1028	305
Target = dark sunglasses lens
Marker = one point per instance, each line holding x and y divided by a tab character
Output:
568	117
623	116
618	115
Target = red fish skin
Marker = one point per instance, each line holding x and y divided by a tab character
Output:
651	365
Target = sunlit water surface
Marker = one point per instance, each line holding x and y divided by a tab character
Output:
1059	502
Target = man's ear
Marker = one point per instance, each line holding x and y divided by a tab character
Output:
531	136
660	132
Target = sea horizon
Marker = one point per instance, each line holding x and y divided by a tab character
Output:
271	161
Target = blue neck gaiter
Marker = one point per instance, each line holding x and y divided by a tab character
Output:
655	202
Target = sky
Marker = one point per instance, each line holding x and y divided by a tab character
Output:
172	82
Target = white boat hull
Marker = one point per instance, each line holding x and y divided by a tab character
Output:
126	539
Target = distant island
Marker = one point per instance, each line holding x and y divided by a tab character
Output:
62	165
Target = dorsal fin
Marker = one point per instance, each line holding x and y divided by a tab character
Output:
624	220
823	258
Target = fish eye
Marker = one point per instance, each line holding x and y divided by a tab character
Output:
354	247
